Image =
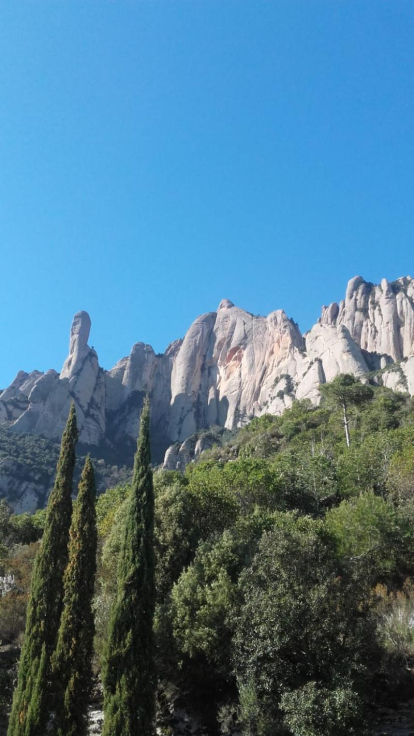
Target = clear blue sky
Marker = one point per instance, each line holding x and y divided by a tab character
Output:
159	155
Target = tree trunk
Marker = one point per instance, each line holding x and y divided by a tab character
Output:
346	425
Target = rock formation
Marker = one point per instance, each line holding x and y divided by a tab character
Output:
230	366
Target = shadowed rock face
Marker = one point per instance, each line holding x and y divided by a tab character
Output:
230	366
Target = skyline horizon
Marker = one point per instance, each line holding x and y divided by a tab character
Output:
181	337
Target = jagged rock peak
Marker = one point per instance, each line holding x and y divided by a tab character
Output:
80	330
21	386
225	304
231	366
78	343
329	314
354	284
141	347
380	318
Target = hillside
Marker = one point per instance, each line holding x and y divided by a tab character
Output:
28	464
285	571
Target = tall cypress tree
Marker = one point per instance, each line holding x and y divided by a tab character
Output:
129	673
72	660
31	703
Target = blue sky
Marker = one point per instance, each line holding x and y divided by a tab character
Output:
159	155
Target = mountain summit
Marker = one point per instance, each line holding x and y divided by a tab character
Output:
230	367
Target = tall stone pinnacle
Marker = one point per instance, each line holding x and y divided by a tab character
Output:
78	344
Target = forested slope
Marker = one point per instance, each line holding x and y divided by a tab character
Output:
285	570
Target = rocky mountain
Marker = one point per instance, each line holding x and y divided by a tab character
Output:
230	367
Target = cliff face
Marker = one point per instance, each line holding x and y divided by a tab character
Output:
230	367
380	322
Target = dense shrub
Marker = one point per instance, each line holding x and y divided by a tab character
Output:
320	711
301	620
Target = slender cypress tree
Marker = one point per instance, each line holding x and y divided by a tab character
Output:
31	703
72	660
129	673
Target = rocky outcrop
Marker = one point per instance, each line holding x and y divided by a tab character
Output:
230	366
333	347
21	386
380	319
81	381
14	399
130	380
179	455
24	488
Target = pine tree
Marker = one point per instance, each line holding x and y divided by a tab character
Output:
129	673
72	660
31	703
344	391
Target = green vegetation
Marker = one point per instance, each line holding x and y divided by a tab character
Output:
30	704
300	622
72	659
284	573
345	391
129	673
31	460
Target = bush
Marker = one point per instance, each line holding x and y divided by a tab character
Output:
13	604
202	604
107	506
395	616
302	620
372	532
318	711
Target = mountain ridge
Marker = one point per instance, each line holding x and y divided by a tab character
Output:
230	366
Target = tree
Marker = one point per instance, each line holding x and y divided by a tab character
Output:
345	391
202	608
176	534
31	703
301	621
72	660
373	532
5	514
129	671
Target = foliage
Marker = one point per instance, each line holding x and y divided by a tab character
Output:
31	460
370	529
129	674
401	474
72	659
203	601
365	465
30	703
108	559
320	711
281	557
20	528
106	508
215	505
345	391
176	535
301	620
395	617
19	565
